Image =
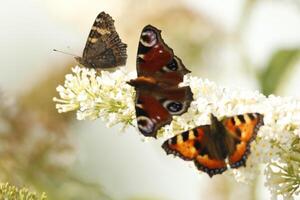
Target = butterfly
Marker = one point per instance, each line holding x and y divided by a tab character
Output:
104	48
158	96
218	146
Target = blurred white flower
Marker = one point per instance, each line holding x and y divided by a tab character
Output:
108	97
283	174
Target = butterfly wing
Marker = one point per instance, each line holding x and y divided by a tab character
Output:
155	58
155	107
150	114
243	129
197	145
104	48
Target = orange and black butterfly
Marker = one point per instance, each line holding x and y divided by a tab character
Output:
158	96
218	146
104	48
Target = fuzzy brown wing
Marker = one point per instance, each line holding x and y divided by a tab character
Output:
104	48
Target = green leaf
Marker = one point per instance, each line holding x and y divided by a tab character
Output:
273	75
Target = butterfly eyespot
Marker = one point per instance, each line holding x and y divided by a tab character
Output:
174	107
145	125
172	66
148	38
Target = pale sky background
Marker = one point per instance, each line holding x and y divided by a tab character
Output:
30	29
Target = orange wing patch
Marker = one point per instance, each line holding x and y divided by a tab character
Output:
210	166
239	156
244	129
187	144
191	145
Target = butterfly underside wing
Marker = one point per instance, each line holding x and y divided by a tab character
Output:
158	96
217	146
104	48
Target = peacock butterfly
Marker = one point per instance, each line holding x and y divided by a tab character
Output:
216	147
158	96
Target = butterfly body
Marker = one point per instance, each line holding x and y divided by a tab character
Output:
104	48
217	146
144	82
158	96
155	104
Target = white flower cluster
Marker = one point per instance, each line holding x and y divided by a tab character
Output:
283	175
105	96
272	146
108	97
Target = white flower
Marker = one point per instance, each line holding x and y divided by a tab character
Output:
283	178
108	97
105	96
281	119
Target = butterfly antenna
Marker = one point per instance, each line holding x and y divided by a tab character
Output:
65	53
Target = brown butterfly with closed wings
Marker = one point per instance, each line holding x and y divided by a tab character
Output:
104	48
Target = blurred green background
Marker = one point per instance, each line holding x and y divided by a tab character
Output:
252	44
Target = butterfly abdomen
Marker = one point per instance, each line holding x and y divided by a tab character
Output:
143	82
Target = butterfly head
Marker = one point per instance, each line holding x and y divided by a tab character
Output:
78	59
84	62
216	125
81	61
